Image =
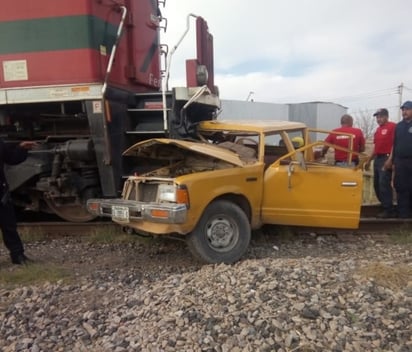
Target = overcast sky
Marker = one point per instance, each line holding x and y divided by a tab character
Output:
354	53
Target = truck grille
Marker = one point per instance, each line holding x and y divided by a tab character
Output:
140	191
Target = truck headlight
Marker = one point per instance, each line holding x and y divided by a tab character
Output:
166	193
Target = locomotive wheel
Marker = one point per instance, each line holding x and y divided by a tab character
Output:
70	212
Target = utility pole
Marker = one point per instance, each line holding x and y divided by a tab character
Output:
400	91
249	96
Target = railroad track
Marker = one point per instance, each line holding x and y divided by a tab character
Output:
369	224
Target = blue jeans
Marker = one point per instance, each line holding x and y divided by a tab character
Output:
382	183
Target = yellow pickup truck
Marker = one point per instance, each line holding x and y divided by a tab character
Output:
235	177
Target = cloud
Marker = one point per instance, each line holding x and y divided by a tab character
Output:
354	52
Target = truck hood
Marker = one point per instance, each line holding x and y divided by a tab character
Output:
172	149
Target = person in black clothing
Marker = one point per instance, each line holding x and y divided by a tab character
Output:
12	155
402	161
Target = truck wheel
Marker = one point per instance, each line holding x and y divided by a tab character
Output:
222	234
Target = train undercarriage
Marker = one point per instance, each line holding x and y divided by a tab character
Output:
62	171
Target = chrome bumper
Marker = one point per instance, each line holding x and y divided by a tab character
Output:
121	210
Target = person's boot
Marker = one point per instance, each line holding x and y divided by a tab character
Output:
387	214
20	259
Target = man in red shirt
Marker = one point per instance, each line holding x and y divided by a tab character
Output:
341	156
383	141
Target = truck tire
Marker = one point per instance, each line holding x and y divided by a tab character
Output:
222	234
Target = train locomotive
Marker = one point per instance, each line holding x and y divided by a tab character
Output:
87	79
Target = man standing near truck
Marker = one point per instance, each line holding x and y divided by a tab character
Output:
12	155
341	156
402	161
382	174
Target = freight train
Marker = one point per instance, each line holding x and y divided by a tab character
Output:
86	79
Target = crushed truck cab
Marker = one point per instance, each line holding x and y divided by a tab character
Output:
235	178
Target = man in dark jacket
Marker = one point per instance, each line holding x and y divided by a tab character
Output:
402	160
11	155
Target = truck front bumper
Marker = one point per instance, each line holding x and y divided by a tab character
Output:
126	211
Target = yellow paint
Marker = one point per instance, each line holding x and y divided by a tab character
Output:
321	196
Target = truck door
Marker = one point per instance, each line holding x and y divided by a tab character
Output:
311	194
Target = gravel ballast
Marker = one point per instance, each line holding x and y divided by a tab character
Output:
308	293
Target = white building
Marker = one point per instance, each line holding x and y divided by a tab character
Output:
320	115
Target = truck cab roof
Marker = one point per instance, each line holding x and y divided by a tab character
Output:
258	126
